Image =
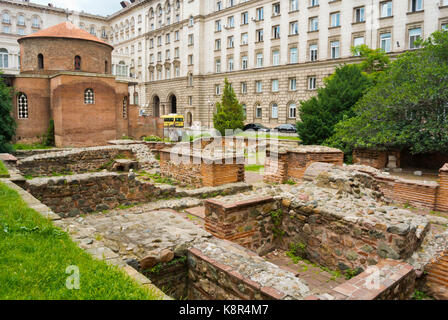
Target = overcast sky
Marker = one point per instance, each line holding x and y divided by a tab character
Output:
102	7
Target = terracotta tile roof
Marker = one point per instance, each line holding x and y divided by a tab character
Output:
64	30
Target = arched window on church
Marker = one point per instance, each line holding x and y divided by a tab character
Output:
22	106
125	108
40	61
77	63
89	96
106	67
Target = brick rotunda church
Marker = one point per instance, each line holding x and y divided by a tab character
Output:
66	76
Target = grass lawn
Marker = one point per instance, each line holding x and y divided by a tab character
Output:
33	146
266	135
254	168
34	256
3	171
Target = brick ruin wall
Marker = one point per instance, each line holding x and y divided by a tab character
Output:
247	223
442	192
72	195
194	171
328	239
428	195
282	166
77	161
212	280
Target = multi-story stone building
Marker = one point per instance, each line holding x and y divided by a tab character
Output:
176	53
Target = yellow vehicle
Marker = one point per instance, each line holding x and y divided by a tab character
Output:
173	120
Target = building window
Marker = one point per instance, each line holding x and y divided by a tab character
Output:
258	112
4	58
244	63
230	22
125	107
243	87
414	35
335	19
294	5
445	26
293	84
293	55
311	83
190	39
260	14
190	59
334	45
314	24
5	18
136	98
386	42
314	3
292	111
258	86
416	5
218	5
275	85
218	25
218	65
217	89
231	65
245	18
89	96
218	44
244	111
191	21
386	9
21	20
276	32
359	14
358	41
276	9
274	111
230	42
244	38
259	35
40	61
77	63
293	28
313	52
22	105
259	60
190	79
276	58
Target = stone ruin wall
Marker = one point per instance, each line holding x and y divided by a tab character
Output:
212	280
428	195
328	239
292	163
247	223
76	161
199	172
86	193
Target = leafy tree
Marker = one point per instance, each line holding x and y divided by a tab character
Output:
374	61
333	102
7	123
408	108
230	114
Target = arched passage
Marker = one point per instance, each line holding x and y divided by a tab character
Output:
156	106
173	104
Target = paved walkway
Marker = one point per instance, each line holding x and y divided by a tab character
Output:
318	280
253	177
